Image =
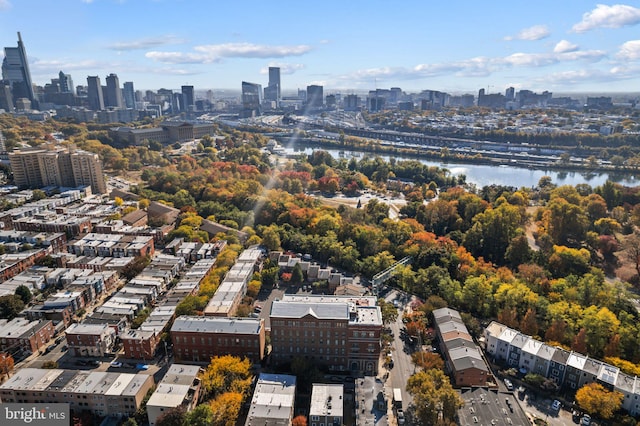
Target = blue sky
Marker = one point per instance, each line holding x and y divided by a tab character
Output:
455	46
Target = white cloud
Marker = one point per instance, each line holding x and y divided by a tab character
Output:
480	66
565	46
603	16
55	65
537	32
145	43
629	51
215	52
5	5
285	68
87	1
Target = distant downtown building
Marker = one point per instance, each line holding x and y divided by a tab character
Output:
197	339
129	94
113	93
315	97
94	93
15	71
36	168
340	332
273	91
188	99
251	99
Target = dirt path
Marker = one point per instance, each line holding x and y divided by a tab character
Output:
531	228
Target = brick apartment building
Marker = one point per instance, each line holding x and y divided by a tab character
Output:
90	339
197	339
341	333
140	344
26	335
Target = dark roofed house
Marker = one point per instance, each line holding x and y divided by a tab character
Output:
135	218
213	228
162	212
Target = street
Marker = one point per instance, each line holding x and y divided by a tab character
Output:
403	366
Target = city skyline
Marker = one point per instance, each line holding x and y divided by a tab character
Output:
461	47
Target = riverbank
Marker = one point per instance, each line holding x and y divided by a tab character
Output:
444	155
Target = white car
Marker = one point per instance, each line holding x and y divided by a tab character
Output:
508	384
116	364
556	405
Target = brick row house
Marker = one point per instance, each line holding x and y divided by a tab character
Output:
463	358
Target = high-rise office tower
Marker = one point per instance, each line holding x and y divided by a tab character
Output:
114	94
129	95
510	93
65	82
15	70
188	100
6	101
251	99
272	91
94	93
315	96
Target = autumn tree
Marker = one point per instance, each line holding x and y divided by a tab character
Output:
595	399
6	364
300	420
225	408
433	395
227	374
427	360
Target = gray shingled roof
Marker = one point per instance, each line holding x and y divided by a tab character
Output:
281	309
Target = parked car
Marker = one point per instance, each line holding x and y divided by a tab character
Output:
508	384
555	405
586	420
116	364
400	415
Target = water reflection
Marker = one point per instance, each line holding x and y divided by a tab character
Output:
482	175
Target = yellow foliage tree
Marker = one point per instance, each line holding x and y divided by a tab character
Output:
595	399
227	374
226	408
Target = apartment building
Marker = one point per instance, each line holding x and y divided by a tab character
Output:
342	333
140	344
273	400
327	405
90	339
197	339
179	387
57	166
27	335
101	393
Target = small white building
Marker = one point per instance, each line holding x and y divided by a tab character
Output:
327	405
180	386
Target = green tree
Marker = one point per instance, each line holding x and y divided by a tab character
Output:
202	415
297	275
23	292
389	312
10	306
433	394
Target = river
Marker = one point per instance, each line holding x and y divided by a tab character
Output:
483	175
